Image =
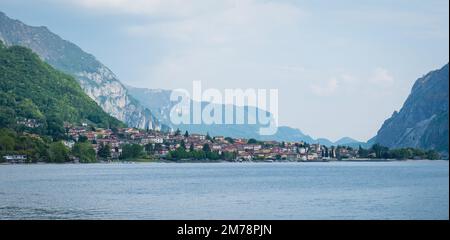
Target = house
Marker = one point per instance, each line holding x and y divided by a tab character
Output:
292	156
252	147
240	141
216	147
220	139
31	123
15	158
312	156
69	144
302	150
116	152
270	143
198	136
107	141
245	156
152	139
91	136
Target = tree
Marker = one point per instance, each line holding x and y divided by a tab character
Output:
208	137
55	127
183	145
186	134
363	153
84	152
58	153
158	147
7	116
131	151
380	151
198	155
177	132
206	148
7	142
325	151
432	155
212	155
104	151
252	141
191	148
149	148
230	140
82	138
333	152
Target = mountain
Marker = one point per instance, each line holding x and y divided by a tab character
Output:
34	95
158	100
96	80
324	141
422	122
345	140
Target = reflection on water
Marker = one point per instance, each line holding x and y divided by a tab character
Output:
336	190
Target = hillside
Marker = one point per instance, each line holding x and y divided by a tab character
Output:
37	98
97	81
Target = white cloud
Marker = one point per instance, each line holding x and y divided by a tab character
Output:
238	21
163	8
291	68
325	89
381	77
348	78
252	40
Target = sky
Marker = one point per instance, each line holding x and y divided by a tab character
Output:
341	67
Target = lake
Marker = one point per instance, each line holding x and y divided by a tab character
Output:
333	190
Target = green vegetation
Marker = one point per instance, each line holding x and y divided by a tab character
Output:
205	154
84	152
35	147
180	154
36	98
58	153
35	103
132	151
378	151
104	151
229	140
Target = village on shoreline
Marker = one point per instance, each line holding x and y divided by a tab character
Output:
86	144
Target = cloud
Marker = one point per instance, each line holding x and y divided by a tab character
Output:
161	8
349	83
325	89
225	46
221	24
291	68
381	77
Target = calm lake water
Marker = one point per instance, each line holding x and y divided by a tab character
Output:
335	190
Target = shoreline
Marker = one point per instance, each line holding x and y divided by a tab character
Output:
224	161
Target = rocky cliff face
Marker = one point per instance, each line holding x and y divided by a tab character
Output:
423	120
97	80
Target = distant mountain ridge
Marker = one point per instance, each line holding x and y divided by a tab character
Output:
158	100
97	80
422	122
